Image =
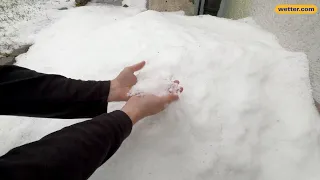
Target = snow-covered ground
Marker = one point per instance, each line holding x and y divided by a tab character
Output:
21	20
246	111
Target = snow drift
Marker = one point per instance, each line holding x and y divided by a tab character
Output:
246	111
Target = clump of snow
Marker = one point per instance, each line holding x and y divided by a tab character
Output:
246	111
163	86
20	20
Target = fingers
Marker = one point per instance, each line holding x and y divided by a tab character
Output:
181	88
137	67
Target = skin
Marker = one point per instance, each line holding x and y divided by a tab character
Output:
138	107
121	85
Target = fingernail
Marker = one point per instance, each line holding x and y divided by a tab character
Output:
181	89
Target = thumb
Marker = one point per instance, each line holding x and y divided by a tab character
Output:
137	67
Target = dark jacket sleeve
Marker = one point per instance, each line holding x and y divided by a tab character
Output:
72	153
24	92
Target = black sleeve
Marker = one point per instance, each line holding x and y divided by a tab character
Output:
72	153
24	92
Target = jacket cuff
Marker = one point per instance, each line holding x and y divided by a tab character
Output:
104	94
105	89
124	121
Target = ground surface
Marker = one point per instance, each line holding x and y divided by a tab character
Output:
21	20
295	32
246	111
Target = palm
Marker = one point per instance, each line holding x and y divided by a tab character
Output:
122	84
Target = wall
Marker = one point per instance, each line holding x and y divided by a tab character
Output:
295	32
212	7
235	9
172	5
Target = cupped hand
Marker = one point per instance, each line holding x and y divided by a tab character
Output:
121	85
139	107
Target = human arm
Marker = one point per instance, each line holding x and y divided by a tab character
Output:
75	152
24	92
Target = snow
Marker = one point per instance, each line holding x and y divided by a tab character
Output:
21	20
135	3
246	111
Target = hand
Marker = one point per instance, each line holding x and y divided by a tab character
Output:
139	107
122	84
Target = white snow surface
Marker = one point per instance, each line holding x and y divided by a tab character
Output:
21	20
246	112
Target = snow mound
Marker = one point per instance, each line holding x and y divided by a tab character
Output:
246	111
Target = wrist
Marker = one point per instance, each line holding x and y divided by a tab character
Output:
133	113
113	91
